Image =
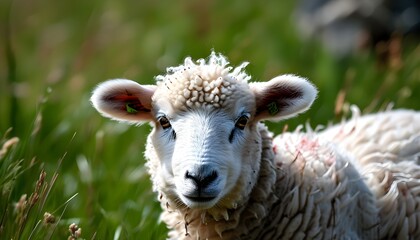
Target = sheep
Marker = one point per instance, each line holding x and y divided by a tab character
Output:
220	174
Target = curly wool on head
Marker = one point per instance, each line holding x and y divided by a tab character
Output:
203	83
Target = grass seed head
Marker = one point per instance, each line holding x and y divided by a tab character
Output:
49	218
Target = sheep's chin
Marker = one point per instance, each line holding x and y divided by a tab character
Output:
199	204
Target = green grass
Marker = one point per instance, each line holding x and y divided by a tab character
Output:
53	53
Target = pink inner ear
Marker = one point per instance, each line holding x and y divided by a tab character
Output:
128	103
279	97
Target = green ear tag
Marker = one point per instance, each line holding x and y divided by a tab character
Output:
130	109
273	108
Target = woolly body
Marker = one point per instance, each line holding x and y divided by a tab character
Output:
220	175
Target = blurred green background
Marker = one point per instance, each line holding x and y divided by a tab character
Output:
53	53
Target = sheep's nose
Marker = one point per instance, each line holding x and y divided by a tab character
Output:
201	184
201	178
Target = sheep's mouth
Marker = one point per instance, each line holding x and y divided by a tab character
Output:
199	202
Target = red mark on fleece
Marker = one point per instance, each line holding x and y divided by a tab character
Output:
308	144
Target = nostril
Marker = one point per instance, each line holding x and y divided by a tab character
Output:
188	175
209	179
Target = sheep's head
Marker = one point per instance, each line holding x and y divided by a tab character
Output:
205	143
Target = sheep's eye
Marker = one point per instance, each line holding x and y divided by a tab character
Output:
241	122
164	122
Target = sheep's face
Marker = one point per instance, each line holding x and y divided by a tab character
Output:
205	147
203	151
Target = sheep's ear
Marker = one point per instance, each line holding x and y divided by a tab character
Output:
282	97
124	100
